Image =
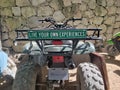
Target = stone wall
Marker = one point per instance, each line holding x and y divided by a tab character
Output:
103	14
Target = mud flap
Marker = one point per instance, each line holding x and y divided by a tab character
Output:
100	62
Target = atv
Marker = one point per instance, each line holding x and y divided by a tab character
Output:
113	47
55	50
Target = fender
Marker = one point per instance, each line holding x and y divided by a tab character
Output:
110	41
100	62
117	34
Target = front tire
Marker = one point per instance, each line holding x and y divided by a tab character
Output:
112	50
89	77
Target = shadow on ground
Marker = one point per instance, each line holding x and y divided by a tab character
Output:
117	72
112	60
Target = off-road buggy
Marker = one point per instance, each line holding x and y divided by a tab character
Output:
55	50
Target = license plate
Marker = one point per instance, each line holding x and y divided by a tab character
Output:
57	34
58	74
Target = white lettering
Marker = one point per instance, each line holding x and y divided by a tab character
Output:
43	34
33	35
54	34
59	34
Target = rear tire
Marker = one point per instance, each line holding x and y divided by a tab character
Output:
89	77
26	77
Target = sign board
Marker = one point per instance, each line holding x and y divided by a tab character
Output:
57	34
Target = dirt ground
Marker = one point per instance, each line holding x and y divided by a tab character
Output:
113	68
